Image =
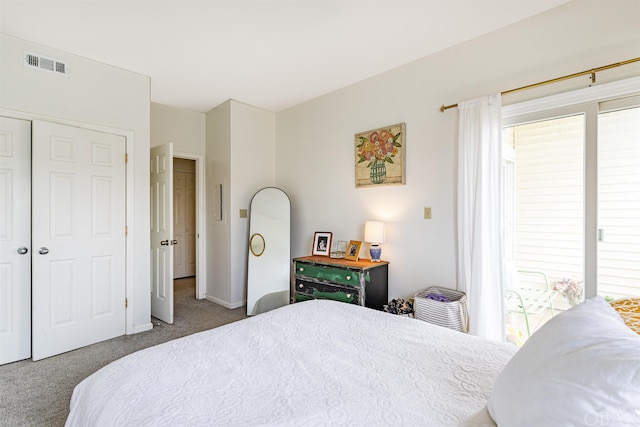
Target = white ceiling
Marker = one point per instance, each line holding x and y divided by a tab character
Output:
270	54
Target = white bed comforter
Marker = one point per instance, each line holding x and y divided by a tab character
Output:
311	363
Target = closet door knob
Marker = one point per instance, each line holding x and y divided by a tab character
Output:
43	251
22	250
164	243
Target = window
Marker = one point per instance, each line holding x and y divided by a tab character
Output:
572	190
619	202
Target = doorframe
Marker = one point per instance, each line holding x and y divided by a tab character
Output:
201	233
129	137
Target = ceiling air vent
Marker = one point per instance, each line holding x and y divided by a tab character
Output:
44	63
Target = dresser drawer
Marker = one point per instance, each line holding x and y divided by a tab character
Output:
330	274
303	297
307	289
357	282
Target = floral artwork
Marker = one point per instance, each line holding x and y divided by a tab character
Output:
380	155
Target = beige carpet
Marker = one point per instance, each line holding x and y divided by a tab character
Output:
38	393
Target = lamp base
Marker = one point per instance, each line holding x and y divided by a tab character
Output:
375	252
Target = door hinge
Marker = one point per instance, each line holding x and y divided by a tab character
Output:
126	230
126	303
126	157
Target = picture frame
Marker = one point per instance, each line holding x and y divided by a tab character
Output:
321	243
353	250
380	156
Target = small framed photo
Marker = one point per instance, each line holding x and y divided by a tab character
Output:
321	243
353	250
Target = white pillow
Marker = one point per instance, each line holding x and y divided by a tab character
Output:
582	368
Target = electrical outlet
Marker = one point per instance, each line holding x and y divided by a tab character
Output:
427	213
243	213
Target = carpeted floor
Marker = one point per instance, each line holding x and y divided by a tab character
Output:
38	393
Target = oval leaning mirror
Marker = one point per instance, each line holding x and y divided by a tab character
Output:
269	263
257	244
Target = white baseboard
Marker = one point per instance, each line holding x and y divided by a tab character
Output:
141	328
225	303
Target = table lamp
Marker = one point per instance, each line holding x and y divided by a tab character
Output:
374	234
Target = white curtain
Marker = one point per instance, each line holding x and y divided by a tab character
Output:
479	218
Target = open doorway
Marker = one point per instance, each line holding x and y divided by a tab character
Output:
190	169
184	218
163	240
184	231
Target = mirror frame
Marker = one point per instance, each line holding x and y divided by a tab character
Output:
268	271
264	244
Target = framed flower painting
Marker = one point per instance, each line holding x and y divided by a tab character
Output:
380	156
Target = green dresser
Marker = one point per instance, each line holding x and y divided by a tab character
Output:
356	282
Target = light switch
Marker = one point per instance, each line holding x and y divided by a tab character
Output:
243	213
427	213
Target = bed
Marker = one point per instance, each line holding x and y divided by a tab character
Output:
328	363
312	363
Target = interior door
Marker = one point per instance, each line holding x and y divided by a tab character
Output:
184	224
15	240
162	232
180	253
78	228
190	226
179	219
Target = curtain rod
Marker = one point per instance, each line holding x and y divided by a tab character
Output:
592	71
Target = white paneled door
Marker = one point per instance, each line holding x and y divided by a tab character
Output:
190	226
15	240
78	197
162	239
184	224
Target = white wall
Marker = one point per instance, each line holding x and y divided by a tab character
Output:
253	168
218	167
315	147
185	128
97	96
240	155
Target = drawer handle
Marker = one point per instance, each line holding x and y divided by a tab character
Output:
348	277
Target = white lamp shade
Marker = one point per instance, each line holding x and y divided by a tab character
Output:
374	232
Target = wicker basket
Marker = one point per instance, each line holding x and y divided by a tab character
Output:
452	314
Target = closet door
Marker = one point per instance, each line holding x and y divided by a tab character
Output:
179	224
78	238
15	240
184	224
190	225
